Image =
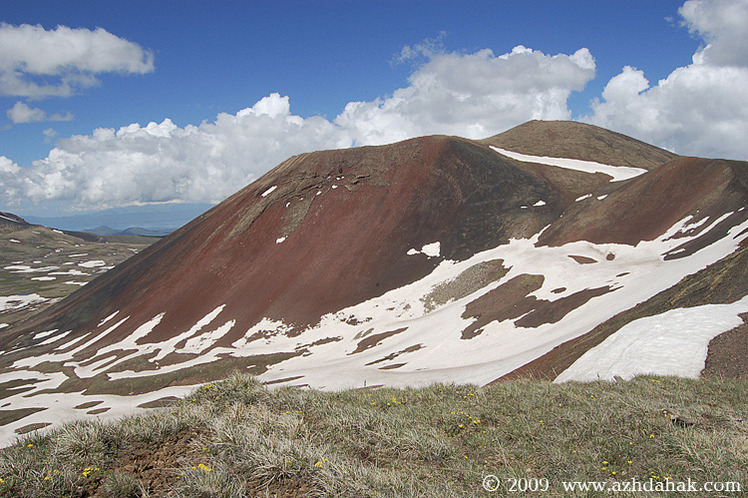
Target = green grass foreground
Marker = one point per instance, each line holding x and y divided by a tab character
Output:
238	438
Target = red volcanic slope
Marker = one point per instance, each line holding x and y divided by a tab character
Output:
342	246
326	230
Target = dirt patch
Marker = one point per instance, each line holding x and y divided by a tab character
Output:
392	356
160	402
87	405
393	366
32	427
553	311
375	339
10	416
727	353
155	465
507	301
582	260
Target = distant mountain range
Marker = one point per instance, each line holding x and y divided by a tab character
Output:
556	250
145	232
158	217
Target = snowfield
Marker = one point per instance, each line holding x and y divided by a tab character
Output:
618	173
397	340
672	343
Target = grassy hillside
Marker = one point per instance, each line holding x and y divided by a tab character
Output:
237	438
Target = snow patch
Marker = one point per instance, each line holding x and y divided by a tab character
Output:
92	264
279	240
671	343
20	301
618	173
585	196
269	191
539	203
54	338
203	341
107	318
431	250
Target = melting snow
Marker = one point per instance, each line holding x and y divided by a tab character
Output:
635	274
20	301
54	338
92	264
671	343
28	269
107	318
618	173
585	196
269	191
431	250
539	203
279	240
14	241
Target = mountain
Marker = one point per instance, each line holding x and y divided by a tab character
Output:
143	232
548	250
149	216
9	219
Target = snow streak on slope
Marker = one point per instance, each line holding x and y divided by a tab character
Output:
671	343
412	335
618	173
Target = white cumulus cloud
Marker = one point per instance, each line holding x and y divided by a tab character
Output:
37	63
22	113
472	95
161	162
700	109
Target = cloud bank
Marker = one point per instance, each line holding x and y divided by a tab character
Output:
700	109
161	162
37	63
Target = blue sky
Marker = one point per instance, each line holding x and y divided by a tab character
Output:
198	60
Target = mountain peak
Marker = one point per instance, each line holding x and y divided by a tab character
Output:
575	140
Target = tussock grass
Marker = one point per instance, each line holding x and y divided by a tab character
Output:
242	439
